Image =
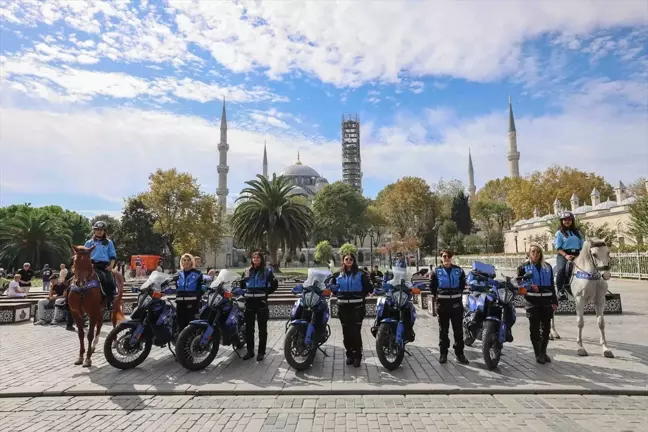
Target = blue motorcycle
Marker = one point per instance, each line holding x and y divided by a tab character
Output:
221	322
394	302
152	321
486	309
308	329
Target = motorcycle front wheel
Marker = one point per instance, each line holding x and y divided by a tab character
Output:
120	353
491	348
298	355
389	352
469	338
191	354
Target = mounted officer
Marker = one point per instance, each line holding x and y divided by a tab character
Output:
541	301
400	261
103	258
447	284
568	241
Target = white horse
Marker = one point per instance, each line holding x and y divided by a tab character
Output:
589	283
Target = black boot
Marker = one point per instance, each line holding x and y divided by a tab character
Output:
108	303
509	335
536	349
543	351
248	356
443	358
461	358
260	357
349	361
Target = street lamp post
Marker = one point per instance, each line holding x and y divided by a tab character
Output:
371	240
436	243
515	235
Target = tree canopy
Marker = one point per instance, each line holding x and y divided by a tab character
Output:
323	252
338	211
137	233
268	216
187	218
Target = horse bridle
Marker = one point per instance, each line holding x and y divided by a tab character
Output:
596	274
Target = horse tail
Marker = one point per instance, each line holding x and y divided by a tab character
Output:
118	314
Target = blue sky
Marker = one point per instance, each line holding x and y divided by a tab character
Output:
96	95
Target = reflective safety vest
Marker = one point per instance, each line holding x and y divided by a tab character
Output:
188	282
256	280
541	278
448	281
350	285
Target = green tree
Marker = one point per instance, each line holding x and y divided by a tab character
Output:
348	248
446	191
408	206
338	210
460	213
78	224
35	236
639	220
638	187
268	216
323	252
138	236
187	218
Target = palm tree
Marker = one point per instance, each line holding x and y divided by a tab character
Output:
268	215
34	236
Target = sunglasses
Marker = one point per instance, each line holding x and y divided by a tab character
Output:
348	259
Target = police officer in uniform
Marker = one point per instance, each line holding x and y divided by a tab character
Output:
568	241
541	301
259	282
400	261
189	285
104	257
447	284
351	287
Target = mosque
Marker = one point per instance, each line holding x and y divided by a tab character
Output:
306	180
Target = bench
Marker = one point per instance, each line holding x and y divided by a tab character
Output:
14	311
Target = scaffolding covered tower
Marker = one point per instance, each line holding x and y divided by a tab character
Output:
351	166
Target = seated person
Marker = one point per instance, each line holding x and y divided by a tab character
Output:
57	291
16	290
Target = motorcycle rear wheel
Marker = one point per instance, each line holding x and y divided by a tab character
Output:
386	338
188	340
294	335
491	347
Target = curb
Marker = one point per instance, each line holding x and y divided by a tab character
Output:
323	392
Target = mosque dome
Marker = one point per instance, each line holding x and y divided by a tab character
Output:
606	205
300	170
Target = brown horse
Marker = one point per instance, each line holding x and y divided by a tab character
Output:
85	298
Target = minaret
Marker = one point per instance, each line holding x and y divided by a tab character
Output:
222	168
513	154
265	161
471	177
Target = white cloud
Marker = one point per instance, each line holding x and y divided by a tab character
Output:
607	137
31	76
347	45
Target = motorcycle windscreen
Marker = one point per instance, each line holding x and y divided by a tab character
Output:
401	276
155	280
316	277
226	277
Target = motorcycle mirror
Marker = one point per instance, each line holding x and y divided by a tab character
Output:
298	289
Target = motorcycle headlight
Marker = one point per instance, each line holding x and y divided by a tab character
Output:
505	296
144	299
214	300
400	298
310	299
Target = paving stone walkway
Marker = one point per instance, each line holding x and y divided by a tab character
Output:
326	413
38	361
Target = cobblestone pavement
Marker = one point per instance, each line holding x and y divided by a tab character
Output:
40	360
326	413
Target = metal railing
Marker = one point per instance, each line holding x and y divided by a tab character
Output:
630	265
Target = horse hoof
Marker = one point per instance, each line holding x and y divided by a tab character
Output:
608	354
582	352
87	364
78	362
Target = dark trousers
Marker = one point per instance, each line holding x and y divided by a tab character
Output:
186	309
256	310
106	278
450	311
539	326
351	316
562	270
